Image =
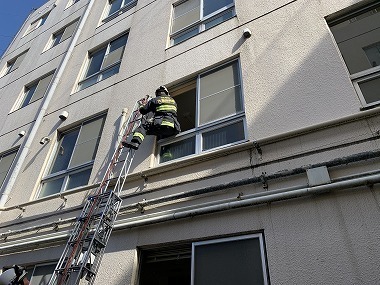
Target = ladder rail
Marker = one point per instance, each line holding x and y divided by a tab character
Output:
85	222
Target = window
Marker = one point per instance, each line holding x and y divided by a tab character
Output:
71	2
237	260
6	160
194	16
104	62
358	39
38	23
62	34
14	63
40	274
116	7
210	111
35	91
73	159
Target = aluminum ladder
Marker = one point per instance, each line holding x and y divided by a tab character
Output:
85	248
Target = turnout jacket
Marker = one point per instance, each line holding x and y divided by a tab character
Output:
163	111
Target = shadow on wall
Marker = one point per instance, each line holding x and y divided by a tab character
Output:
299	76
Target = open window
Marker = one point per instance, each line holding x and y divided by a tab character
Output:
358	38
73	158
235	260
210	111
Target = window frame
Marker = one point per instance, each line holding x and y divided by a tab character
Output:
8	68
20	103
199	129
47	264
200	23
52	42
38	23
363	75
4	154
187	250
99	74
69	171
71	2
122	9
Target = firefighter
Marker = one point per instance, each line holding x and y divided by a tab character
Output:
159	119
14	276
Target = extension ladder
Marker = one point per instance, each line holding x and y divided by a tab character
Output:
84	250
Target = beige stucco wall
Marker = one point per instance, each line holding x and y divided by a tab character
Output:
293	79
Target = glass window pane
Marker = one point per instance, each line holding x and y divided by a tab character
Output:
219	80
6	161
69	31
28	95
177	149
41	88
109	72
185	14
91	130
43	20
210	6
84	152
57	39
185	36
118	43
236	262
220	105
88	82
5	164
51	187
95	63
371	90
113	57
17	62
79	179
373	54
42	274
354	35
222	136
220	93
220	19
65	149
33	26
115	5
185	7
87	142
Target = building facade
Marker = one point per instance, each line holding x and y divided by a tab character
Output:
274	176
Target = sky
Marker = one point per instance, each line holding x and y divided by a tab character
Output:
13	13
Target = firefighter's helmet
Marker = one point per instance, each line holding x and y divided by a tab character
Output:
161	89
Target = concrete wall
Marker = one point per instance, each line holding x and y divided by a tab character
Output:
299	104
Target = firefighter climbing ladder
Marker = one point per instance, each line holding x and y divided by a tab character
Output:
84	250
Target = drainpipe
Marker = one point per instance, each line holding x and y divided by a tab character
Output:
41	112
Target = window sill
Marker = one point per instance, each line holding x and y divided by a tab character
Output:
371	106
119	12
188	161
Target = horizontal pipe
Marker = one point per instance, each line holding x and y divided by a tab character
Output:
211	189
221	206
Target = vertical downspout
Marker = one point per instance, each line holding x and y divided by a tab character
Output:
42	110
